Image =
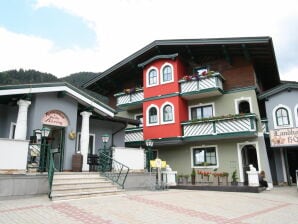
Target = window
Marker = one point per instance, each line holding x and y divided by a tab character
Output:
167	113
139	117
244	107
167	75
91	146
152	115
204	156
201	112
282	117
152	77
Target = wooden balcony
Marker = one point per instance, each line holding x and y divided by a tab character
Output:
130	100
134	135
201	87
224	127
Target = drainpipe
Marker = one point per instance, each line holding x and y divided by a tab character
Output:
122	128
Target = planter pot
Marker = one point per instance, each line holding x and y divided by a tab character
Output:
234	183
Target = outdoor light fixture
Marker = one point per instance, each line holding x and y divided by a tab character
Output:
37	134
105	138
45	132
149	143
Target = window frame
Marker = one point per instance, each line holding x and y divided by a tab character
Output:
275	123
136	117
162	113
148	77
78	139
239	100
200	105
162	81
148	115
194	165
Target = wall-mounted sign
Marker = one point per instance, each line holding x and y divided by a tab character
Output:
55	118
284	137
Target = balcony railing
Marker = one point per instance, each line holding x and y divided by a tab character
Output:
225	126
134	135
205	86
130	100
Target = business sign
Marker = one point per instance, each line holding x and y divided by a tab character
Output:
55	118
284	137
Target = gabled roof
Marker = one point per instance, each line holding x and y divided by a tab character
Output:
258	50
284	86
81	96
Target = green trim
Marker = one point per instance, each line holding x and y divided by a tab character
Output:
133	129
277	89
125	105
208	90
220	118
161	97
221	136
168	56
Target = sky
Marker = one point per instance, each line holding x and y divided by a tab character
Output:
62	37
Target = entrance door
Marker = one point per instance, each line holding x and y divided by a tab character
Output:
57	145
292	155
249	156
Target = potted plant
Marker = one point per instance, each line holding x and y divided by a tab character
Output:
234	178
193	176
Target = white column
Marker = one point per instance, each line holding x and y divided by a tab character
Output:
85	138
21	126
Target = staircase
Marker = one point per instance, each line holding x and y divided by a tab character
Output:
72	185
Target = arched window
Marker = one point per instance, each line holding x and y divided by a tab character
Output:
167	113
167	75
282	116
244	107
152	77
152	115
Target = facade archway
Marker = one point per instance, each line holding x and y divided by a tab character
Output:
248	153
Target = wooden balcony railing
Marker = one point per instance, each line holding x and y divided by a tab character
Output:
202	86
134	134
129	100
233	125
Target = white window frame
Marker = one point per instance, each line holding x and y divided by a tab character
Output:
141	124
78	145
239	100
274	117
201	105
147	115
161	73
296	114
12	130
162	113
204	146
148	78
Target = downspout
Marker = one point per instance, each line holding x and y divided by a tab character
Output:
114	133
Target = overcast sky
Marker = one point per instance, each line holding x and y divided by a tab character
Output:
68	36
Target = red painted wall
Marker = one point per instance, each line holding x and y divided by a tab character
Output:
166	130
161	89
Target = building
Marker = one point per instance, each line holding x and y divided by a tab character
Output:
76	119
281	107
197	100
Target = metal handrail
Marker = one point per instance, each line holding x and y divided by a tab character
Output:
112	169
51	172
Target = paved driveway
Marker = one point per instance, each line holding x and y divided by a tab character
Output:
279	205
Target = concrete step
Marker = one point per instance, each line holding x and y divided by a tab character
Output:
86	194
70	185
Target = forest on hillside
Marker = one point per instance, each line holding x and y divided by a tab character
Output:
15	77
